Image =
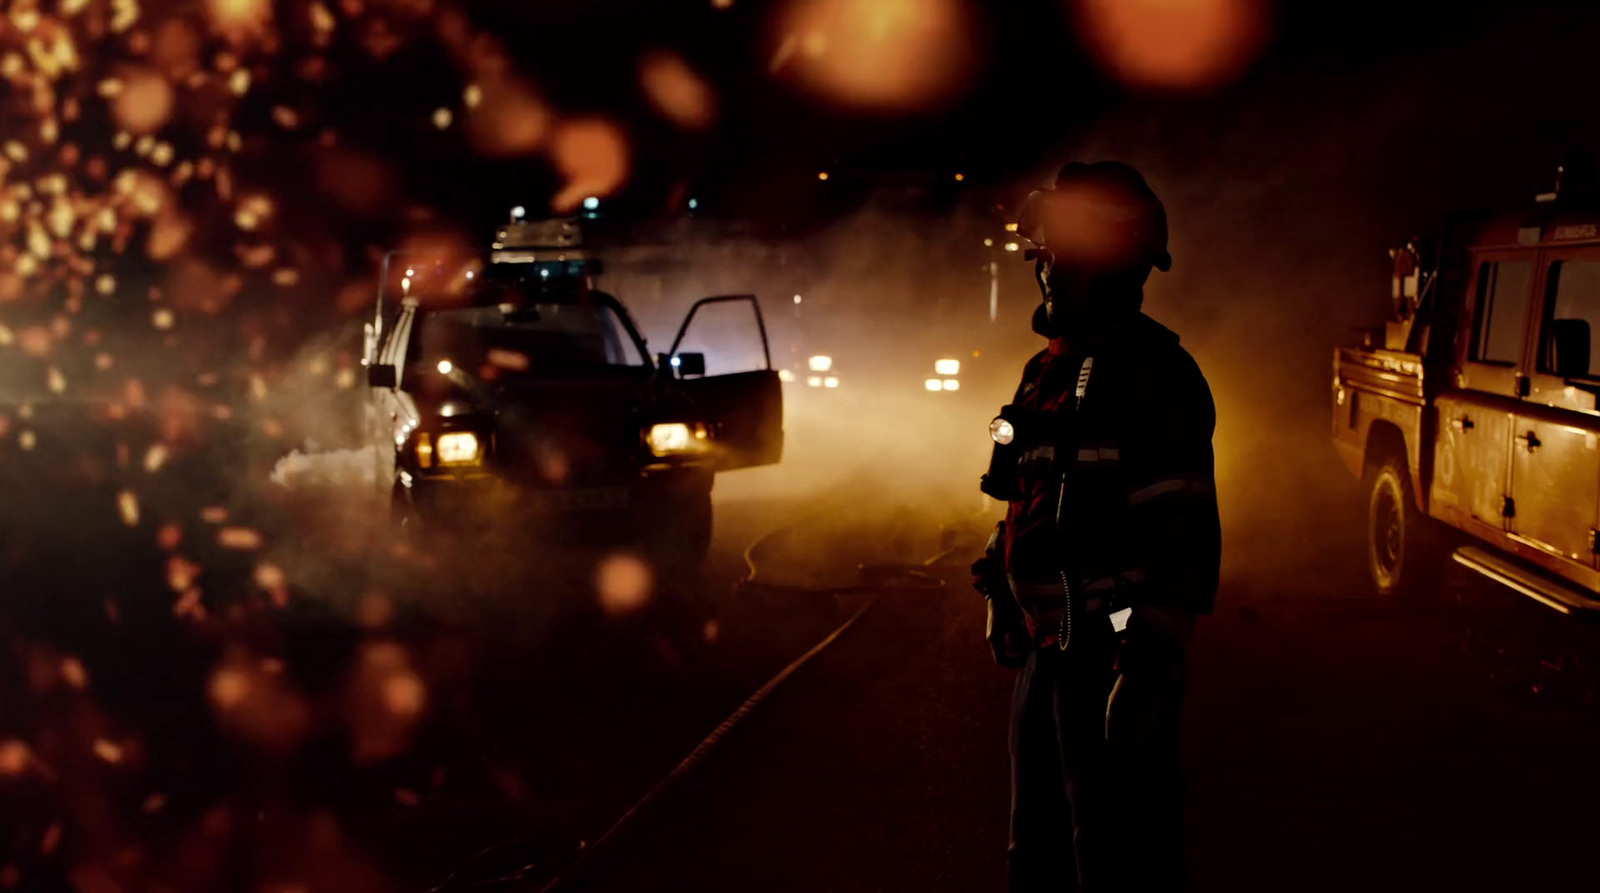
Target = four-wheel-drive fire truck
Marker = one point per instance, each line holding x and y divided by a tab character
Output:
1479	409
509	386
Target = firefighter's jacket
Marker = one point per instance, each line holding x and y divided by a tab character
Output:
1117	486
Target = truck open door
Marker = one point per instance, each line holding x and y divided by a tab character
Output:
744	408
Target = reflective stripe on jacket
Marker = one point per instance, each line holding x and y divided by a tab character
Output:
1127	488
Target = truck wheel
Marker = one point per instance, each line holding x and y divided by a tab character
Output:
681	537
1397	535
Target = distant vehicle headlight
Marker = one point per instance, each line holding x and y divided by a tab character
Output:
830	382
671	438
952	384
814	381
457	448
785	375
820	363
947	367
1002	431
933	384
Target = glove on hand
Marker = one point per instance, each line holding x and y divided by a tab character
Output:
1008	637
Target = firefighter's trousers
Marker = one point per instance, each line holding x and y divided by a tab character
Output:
1086	814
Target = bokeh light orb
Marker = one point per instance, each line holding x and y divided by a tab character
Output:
882	55
1173	44
677	91
592	156
624	583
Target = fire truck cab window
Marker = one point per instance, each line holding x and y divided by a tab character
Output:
1573	294
1501	309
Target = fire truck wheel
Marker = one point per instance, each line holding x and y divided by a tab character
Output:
1397	534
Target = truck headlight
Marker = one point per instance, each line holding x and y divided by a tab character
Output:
669	438
457	448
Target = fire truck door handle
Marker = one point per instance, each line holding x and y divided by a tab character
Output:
1530	439
1462	424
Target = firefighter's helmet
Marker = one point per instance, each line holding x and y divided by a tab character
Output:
1102	215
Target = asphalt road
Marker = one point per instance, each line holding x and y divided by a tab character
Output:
1334	742
376	721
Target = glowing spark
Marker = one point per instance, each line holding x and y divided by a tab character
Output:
1173	44
404	694
14	757
73	673
676	91
322	23
27	440
181	573
508	120
144	103
228	688
471	96
624	583
885	54
241	538
169	537
162	319
442	118
108	750
154	458
239	17
128	508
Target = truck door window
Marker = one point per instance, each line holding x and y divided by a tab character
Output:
1502	306
1573	294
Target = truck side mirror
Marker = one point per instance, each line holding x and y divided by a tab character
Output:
688	364
1569	348
382	376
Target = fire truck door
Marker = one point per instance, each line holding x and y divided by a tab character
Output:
1555	434
1474	417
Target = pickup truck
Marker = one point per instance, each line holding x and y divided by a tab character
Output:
509	389
1477	416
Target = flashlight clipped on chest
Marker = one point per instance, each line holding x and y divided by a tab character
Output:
1022	437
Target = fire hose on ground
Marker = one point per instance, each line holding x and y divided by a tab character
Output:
873	581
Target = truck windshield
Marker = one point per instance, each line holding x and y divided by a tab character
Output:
535	339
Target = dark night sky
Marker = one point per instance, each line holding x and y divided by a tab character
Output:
1509	76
